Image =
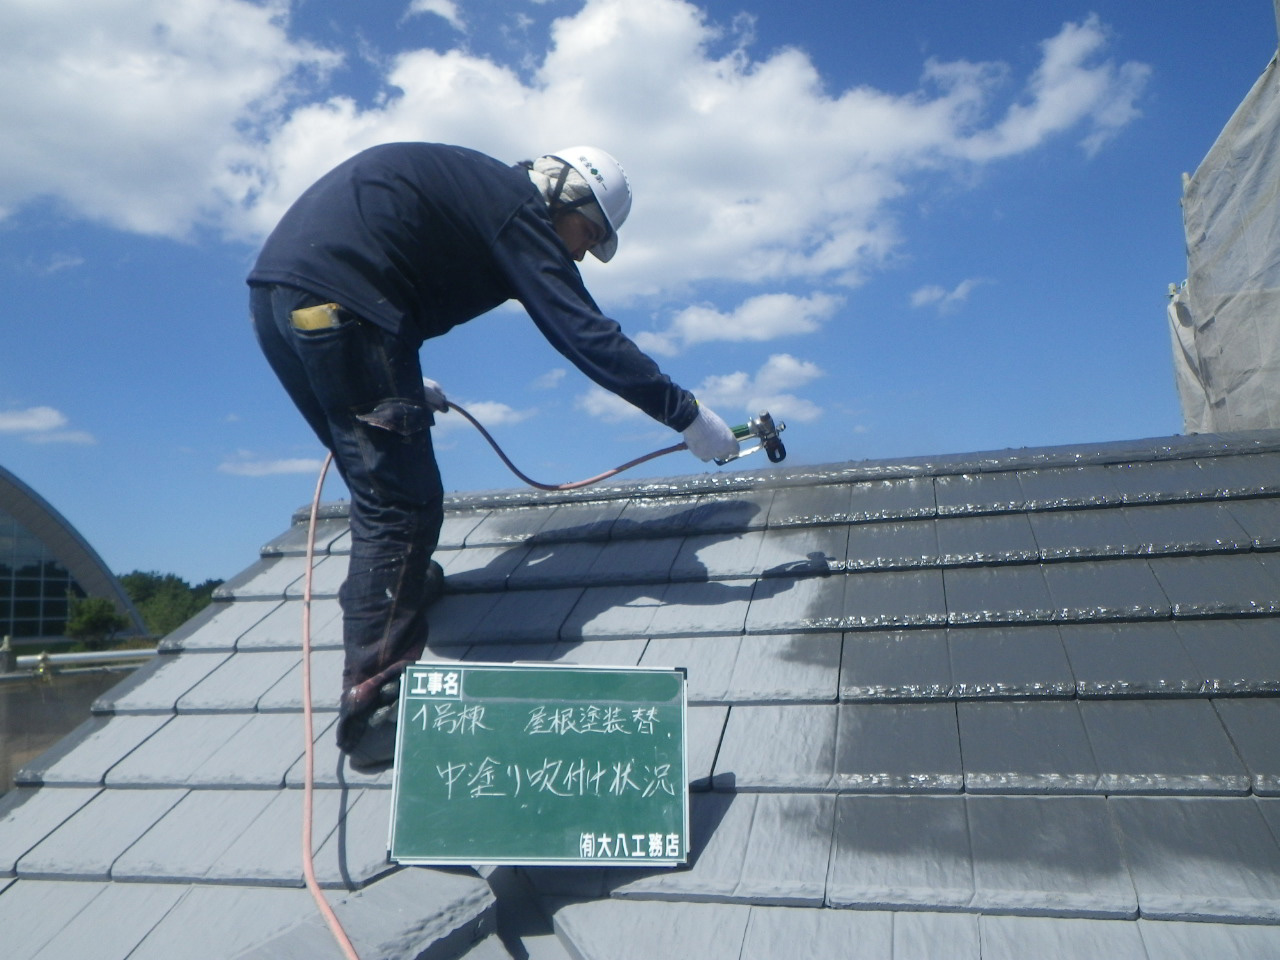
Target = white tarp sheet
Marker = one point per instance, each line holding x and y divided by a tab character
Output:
1225	321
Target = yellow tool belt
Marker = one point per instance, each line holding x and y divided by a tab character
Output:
323	316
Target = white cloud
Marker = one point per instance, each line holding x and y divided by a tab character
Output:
42	425
550	380
734	396
489	413
766	317
446	9
606	406
141	115
162	115
33	419
944	299
244	464
77	437
769	389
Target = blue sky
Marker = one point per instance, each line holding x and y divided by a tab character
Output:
905	228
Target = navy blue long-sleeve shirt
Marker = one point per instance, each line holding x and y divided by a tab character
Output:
420	237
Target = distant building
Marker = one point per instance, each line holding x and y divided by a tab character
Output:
43	561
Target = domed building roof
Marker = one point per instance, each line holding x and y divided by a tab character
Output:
42	558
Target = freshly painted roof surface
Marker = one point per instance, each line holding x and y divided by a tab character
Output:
989	706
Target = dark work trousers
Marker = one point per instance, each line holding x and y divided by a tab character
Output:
360	389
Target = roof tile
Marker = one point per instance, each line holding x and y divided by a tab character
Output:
1009	662
904	852
1162	746
905	665
1032	747
1057	856
898	747
82	850
1196	859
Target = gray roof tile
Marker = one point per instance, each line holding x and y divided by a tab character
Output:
819	933
481	568
604	612
183	845
114	922
33	914
717	556
898	748
1195	859
719	607
1072	534
1232	585
892	499
1057	488
1015	938
917	934
810	506
281	628
1053	856
157	687
1234	656
219	626
24	825
104	742
786	854
1162	746
900	852
1260	520
641	930
1201	528
906	665
327	574
1252	726
213	922
913	598
1112	590
791	667
891	545
1009	662
326	684
1174	940
239	683
973	493
171	755
635	561
812	603
1161	481
1032	747
1003	538
1005	594
81	849
759	748
553	564
1130	660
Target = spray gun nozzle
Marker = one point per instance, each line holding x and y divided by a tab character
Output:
764	429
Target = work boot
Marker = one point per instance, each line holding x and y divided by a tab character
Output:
367	726
434	584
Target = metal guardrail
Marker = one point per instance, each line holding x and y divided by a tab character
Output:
54	660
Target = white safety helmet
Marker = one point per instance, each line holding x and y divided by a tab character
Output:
609	185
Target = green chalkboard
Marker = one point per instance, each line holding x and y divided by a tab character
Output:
540	764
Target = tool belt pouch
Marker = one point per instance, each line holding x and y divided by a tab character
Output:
324	316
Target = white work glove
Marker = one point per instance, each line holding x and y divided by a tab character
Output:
435	396
709	437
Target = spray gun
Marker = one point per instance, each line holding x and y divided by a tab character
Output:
766	431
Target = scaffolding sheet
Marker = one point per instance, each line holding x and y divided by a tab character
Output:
1225	321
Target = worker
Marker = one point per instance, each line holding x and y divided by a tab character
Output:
392	247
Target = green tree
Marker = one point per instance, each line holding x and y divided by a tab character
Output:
94	620
166	601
